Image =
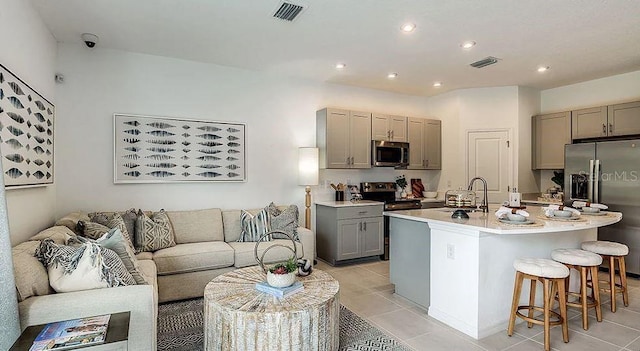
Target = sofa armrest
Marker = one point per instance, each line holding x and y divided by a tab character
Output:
137	299
308	240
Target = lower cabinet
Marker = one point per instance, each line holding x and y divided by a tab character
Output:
348	232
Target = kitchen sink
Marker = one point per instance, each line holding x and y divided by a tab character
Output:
451	210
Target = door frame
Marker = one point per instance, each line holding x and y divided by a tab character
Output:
513	171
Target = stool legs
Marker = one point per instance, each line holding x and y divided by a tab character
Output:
622	287
562	299
612	282
623	280
586	281
517	289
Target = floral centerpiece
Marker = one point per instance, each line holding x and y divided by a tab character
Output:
401	182
283	274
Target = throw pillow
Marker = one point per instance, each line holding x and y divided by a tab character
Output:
88	266
114	240
253	227
129	218
114	220
286	221
153	233
92	230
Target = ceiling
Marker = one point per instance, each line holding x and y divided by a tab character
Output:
578	40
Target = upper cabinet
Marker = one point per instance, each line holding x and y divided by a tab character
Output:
387	127
606	121
425	137
344	138
550	133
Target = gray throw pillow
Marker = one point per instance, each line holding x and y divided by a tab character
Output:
153	233
114	220
286	221
253	227
92	230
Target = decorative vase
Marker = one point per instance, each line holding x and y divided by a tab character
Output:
403	194
281	280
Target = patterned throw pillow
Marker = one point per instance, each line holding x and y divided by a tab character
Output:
92	230
286	220
88	266
153	233
114	220
253	227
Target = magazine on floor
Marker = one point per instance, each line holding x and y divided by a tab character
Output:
72	333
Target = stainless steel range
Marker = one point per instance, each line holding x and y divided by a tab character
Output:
386	192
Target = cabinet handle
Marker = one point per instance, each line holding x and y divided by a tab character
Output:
427	163
351	159
604	129
362	212
610	128
359	226
392	135
388	134
364	226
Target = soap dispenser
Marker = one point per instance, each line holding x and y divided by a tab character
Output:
514	198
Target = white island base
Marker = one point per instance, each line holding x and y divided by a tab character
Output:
462	273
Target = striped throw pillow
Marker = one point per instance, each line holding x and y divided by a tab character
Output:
253	227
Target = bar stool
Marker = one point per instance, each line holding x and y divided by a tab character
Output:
584	262
552	275
612	252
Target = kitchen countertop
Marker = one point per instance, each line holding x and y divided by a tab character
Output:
348	203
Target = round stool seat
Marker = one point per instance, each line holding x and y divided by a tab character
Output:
609	248
576	257
541	267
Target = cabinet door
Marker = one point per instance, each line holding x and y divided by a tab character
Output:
398	128
338	139
433	145
552	132
372	236
415	136
380	127
624	119
360	137
589	123
349	243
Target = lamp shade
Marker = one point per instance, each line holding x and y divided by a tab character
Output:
308	166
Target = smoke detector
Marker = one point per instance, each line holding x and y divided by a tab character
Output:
485	62
288	11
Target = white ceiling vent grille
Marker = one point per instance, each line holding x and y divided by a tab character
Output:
288	11
484	62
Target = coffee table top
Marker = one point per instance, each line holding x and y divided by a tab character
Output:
236	291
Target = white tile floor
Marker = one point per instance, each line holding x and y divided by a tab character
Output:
365	289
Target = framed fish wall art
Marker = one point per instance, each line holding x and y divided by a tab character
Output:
26	133
161	149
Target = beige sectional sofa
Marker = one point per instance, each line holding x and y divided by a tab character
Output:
206	246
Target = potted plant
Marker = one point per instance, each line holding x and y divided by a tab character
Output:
401	182
283	274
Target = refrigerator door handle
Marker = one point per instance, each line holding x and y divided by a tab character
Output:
590	182
596	180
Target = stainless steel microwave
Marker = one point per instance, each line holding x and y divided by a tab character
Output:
389	154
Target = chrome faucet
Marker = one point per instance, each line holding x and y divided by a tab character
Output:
485	201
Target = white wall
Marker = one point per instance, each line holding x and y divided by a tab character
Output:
528	105
279	113
29	51
597	92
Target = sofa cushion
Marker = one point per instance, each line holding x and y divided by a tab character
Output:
193	257
128	217
71	220
92	230
197	226
254	227
144	256
285	220
244	252
30	275
231	223
59	234
112	220
154	232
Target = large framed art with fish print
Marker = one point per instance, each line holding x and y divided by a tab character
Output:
26	133
151	149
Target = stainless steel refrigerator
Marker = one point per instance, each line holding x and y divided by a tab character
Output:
608	172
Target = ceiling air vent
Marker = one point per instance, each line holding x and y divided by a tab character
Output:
484	62
288	11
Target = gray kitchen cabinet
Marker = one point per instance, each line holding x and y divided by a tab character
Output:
589	123
550	134
343	138
387	127
425	143
624	119
348	232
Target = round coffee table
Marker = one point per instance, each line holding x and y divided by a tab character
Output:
239	317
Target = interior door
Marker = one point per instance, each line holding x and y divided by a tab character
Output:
489	157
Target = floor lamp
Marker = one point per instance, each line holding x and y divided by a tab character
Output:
307	176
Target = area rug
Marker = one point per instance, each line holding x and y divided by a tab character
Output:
180	329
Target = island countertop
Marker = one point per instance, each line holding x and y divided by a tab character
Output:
488	223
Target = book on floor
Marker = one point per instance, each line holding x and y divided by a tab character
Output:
72	333
280	292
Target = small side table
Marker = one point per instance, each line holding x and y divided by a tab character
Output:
117	335
239	317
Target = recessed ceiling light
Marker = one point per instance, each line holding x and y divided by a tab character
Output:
437	84
340	65
468	44
392	75
542	69
408	27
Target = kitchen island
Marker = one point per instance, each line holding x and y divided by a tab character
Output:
461	270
